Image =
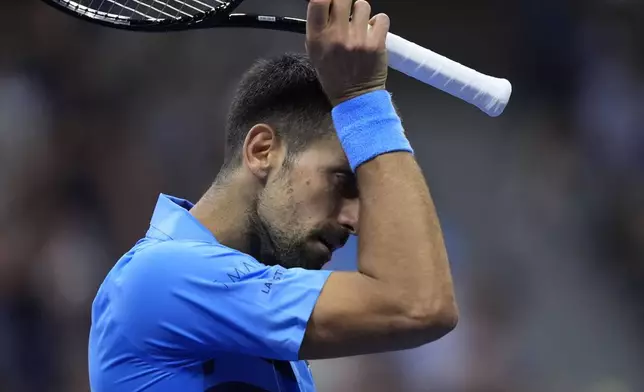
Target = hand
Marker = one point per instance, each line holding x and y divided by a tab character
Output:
349	53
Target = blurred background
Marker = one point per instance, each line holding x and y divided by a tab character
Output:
543	207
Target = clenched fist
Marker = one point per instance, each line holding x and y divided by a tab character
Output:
347	48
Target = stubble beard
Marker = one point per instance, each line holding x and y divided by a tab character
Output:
269	244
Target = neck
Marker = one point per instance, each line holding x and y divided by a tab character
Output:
226	210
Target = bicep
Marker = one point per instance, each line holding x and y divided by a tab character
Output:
189	306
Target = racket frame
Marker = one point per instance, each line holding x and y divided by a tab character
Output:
221	16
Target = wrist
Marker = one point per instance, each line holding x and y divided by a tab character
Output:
367	126
349	95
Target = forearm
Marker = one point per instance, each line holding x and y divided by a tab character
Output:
400	238
401	242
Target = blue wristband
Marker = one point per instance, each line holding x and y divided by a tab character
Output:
368	126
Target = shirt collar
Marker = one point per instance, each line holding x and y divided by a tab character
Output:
172	220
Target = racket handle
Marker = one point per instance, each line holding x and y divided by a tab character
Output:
488	93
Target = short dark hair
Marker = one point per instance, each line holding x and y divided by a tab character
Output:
285	93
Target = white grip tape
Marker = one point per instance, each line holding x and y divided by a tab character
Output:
488	93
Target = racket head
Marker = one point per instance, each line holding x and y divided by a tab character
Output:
149	15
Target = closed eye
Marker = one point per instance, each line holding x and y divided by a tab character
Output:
346	184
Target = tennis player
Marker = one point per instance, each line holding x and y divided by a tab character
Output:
229	294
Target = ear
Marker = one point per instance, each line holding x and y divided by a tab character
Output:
263	150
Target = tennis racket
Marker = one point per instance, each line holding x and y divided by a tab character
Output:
489	94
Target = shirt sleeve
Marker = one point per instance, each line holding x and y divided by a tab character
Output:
190	301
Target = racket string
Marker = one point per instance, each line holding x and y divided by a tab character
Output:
151	10
136	7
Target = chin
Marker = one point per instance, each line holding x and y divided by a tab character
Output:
308	264
317	263
310	258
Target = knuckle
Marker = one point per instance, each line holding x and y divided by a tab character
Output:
355	45
336	45
347	46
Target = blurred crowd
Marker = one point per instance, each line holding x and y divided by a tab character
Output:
543	207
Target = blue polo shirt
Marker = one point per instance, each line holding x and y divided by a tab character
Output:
182	312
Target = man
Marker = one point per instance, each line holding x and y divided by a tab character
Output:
228	294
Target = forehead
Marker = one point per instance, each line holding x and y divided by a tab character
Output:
324	154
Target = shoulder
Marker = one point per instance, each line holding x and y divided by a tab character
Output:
169	263
161	280
164	250
191	253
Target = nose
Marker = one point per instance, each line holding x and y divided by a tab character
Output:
349	215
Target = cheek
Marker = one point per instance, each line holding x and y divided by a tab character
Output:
316	200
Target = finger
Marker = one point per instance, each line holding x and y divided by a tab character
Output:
379	29
360	19
340	13
317	16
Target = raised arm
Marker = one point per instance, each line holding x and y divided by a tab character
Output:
402	295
